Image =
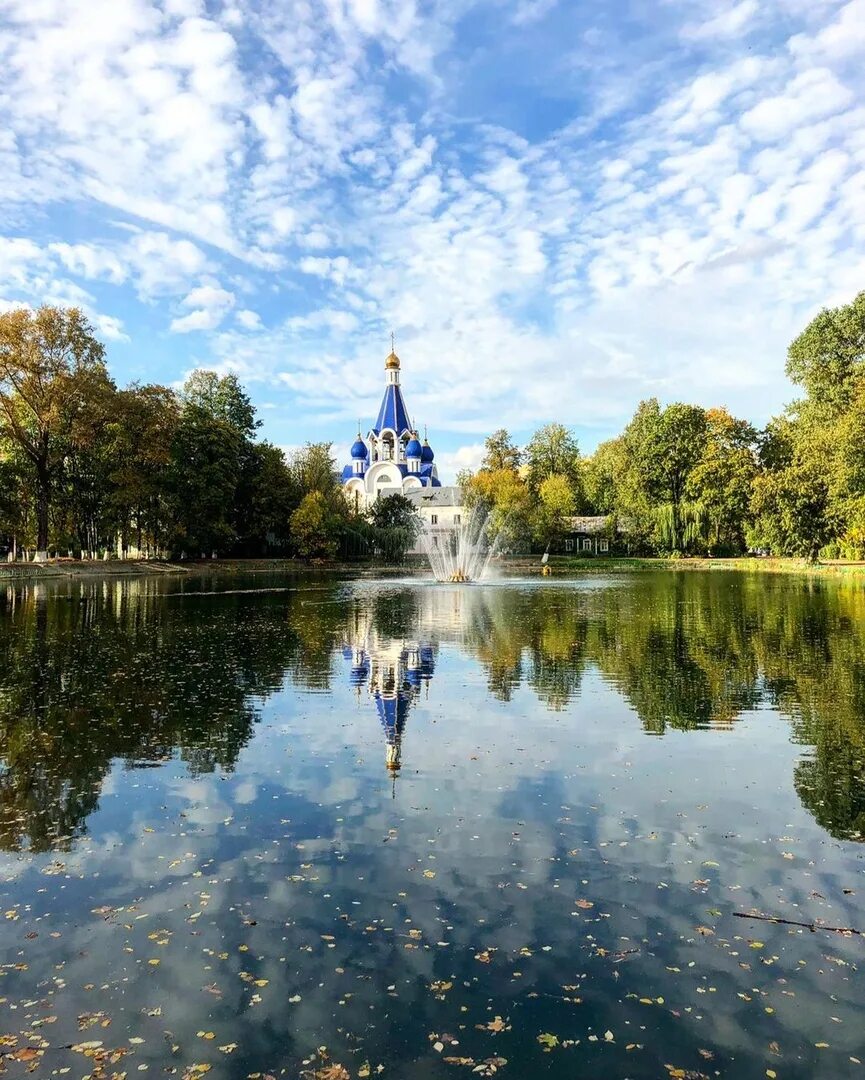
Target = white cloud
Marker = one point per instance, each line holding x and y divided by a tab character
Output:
451	463
727	23
595	226
110	327
249	320
210	305
842	39
530	11
90	261
808	96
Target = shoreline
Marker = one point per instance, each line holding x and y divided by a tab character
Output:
560	565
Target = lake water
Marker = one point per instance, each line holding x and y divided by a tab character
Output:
339	828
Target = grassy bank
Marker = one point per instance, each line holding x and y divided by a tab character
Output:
615	565
73	568
517	565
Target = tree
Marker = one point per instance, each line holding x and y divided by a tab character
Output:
141	436
223	399
556	506
604	475
500	452
508	502
314	527
205	469
51	367
791	499
664	446
394	512
396	523
267	497
553	451
314	469
721	482
16	501
829	353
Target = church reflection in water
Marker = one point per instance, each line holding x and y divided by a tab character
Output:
393	660
394	675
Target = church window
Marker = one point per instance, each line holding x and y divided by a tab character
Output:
434	519
457	519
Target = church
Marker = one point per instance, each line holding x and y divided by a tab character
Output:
391	460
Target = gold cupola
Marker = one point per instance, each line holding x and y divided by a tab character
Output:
392	362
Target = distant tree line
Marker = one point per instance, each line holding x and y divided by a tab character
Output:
88	467
686	480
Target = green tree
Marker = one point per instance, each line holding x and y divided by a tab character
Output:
223	398
504	494
500	452
556	505
16	497
604	477
314	469
268	496
315	529
396	524
51	368
553	451
827	357
664	446
721	481
206	460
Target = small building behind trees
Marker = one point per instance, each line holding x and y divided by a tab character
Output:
586	536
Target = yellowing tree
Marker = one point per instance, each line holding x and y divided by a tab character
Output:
51	370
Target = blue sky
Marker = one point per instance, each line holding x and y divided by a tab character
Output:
560	208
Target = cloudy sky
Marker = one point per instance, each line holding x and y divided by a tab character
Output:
559	207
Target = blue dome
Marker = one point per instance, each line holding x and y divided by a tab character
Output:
413	448
427	454
359	451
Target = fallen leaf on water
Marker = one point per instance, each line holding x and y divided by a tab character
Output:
333	1072
496	1025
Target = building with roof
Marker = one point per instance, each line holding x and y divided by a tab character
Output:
390	460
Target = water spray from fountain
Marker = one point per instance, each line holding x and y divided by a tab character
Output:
461	554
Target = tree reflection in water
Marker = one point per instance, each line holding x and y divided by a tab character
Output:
147	670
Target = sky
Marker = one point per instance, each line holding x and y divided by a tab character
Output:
559	208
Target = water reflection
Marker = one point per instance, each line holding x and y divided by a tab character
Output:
392	674
133	670
205	834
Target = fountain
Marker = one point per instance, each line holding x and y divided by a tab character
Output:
460	554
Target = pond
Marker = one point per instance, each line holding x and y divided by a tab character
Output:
330	827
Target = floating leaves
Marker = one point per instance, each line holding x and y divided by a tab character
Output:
495	1025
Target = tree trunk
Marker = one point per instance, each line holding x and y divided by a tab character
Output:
42	503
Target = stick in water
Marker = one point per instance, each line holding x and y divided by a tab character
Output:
792	922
